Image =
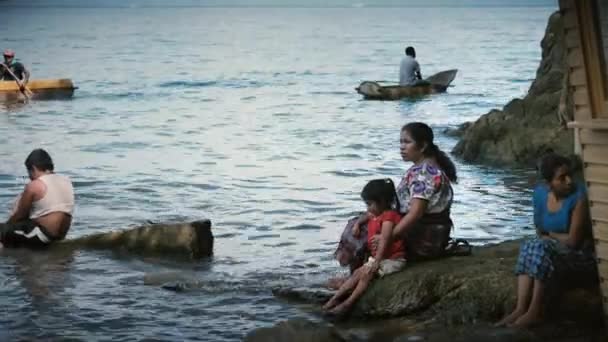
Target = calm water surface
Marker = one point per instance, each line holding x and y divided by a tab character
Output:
247	117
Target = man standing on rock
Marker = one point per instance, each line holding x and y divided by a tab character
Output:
409	70
43	211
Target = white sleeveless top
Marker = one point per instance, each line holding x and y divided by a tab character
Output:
59	196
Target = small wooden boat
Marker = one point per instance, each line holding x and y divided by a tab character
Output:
434	84
42	89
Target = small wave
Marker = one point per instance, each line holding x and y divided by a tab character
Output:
280	244
188	84
349	174
263	236
225	235
304	227
330	93
128	94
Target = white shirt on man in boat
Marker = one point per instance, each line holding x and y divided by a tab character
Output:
408	71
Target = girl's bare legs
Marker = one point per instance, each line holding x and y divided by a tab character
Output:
535	312
524	287
362	285
348	285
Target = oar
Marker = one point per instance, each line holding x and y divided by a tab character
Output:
23	88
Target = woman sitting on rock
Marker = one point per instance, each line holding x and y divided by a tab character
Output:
425	196
562	246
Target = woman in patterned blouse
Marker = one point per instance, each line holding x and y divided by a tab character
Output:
425	193
425	197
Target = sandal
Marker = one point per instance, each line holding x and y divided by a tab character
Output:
458	247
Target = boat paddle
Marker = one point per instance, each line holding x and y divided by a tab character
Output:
23	88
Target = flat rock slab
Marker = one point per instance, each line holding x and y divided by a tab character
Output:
191	240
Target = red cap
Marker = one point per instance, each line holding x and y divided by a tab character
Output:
9	53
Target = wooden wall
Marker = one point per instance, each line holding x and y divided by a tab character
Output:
586	32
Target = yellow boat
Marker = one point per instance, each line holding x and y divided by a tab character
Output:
41	89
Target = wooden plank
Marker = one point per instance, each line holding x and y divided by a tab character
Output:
592	51
596	174
593	137
582	113
599	213
603	114
570	19
581	97
600	232
601	250
598	192
604	289
597	154
578	77
602	267
575	58
595	124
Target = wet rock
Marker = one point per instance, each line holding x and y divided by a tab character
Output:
525	128
304	295
457	131
180	240
296	331
457	291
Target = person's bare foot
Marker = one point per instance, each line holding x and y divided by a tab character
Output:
330	304
510	318
527	320
340	310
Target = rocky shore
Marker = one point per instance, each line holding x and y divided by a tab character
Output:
459	296
525	128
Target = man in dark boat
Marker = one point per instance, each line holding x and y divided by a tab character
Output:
11	67
409	70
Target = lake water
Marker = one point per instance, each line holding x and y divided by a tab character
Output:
247	117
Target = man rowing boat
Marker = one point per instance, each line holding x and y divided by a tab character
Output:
11	69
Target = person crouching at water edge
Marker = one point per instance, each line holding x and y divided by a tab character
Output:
389	256
561	253
43	211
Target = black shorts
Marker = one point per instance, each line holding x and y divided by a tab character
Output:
26	234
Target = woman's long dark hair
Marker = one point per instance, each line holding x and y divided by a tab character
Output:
381	191
423	135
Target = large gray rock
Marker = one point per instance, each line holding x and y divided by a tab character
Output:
181	240
456	291
525	128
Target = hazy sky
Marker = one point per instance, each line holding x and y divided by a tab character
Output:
280	3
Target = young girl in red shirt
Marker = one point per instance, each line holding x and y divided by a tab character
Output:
387	257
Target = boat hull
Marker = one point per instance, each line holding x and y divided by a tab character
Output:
41	89
434	84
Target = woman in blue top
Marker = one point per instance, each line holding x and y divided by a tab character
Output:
562	245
